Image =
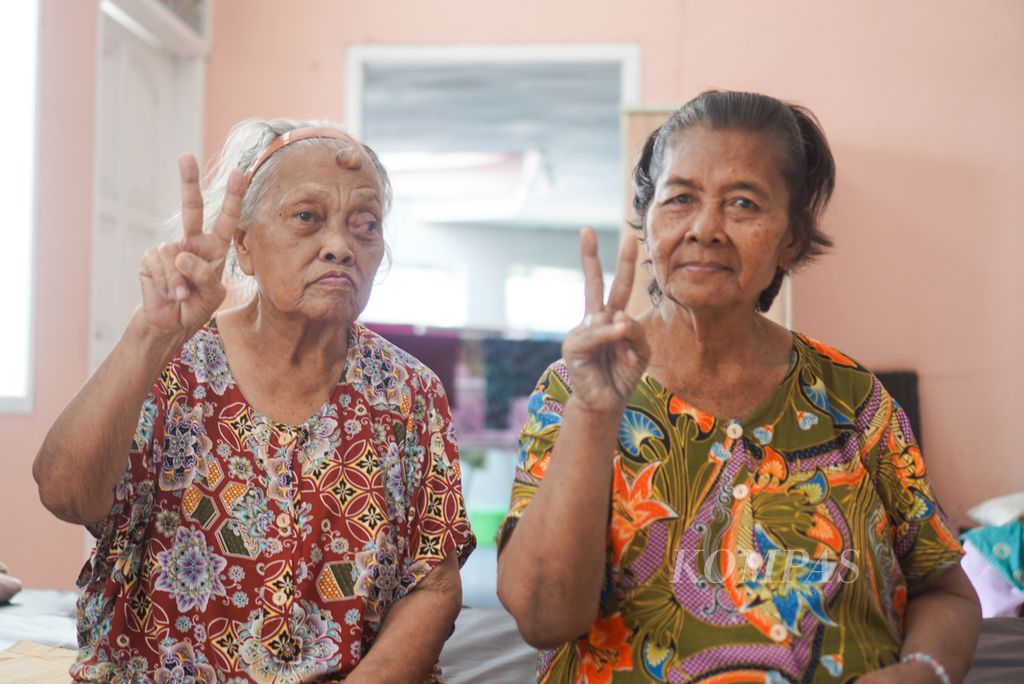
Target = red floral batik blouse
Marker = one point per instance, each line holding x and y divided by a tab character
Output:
241	549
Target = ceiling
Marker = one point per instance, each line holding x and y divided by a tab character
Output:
509	144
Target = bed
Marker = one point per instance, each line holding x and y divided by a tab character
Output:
485	646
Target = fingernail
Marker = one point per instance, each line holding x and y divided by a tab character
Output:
181	293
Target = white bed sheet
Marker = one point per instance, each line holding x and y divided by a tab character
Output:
485	646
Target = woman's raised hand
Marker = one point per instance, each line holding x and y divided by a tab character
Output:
607	353
181	280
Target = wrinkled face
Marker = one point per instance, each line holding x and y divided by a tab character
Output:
315	241
718	224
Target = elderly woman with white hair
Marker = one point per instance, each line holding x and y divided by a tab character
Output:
286	506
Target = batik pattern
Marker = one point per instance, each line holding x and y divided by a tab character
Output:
777	548
241	548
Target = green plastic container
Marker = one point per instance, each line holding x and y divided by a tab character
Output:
485	523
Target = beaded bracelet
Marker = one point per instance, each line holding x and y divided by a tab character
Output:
935	665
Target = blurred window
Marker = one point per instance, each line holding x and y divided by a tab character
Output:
418	295
545	299
19	33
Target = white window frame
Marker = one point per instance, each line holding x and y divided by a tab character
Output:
358	56
627	55
22	404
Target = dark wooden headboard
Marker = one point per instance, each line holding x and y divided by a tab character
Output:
902	385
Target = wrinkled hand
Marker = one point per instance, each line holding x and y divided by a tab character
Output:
900	673
607	353
181	280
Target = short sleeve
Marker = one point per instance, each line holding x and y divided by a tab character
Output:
440	525
120	536
922	536
545	409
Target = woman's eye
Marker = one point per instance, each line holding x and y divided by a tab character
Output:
744	203
683	199
365	225
305	216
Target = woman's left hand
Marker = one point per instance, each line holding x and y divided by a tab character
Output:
900	673
606	354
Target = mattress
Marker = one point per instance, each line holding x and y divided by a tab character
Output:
485	646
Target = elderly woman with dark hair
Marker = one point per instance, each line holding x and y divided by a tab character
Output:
703	495
286	506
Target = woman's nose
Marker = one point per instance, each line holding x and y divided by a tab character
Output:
337	245
707	226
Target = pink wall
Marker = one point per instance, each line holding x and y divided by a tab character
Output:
37	547
922	102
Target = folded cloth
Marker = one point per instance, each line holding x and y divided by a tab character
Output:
994	561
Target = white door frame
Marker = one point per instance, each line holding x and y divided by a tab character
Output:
626	54
155	24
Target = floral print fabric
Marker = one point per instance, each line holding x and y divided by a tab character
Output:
779	548
241	550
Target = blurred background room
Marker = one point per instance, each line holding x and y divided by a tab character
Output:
506	127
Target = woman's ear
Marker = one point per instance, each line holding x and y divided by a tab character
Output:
790	249
242	251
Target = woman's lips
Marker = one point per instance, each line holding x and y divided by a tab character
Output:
335	280
704	267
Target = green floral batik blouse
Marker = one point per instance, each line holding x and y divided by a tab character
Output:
779	548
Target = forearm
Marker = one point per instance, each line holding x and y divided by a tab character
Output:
551	568
86	450
414	631
944	622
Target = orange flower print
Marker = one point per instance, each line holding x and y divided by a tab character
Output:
705	421
632	506
829	352
539	466
825	531
605	650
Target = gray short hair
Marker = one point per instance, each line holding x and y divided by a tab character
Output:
245	142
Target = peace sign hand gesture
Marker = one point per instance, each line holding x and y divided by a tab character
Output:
181	280
607	353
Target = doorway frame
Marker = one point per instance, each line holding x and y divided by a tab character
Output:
628	55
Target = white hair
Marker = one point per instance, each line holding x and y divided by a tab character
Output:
246	141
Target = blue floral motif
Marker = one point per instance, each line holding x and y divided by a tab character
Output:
185	447
538	421
252	519
634	429
190	570
94	619
204	355
374	372
396	493
800	586
832	664
306	648
147	417
179	663
764	434
719	452
806	420
379	576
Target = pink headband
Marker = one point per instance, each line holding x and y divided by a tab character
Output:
295	135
